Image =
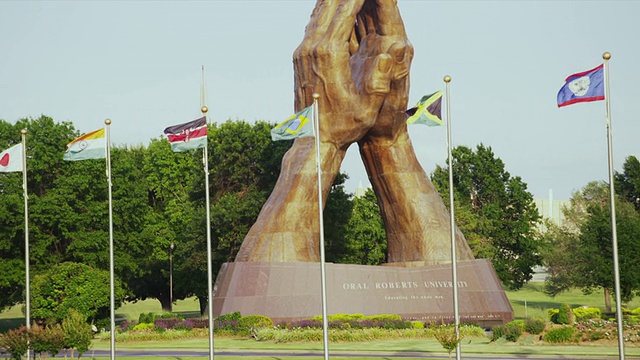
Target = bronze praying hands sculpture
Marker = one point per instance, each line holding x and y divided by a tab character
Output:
356	55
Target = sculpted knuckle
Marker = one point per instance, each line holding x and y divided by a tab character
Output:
303	51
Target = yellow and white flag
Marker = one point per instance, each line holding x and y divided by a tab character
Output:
88	146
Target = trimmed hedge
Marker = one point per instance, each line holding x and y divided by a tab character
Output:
561	335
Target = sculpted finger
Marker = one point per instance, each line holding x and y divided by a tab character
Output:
402	54
343	21
320	20
377	81
390	21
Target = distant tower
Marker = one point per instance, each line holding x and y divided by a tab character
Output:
360	190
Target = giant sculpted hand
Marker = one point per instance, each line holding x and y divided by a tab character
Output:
356	56
416	221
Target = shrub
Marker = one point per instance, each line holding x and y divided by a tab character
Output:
586	313
77	332
72	286
513	330
553	315
520	323
471	330
565	315
534	326
168	315
383	317
255	322
417	325
163	324
234	316
343	318
146	318
497	332
447	337
126	326
560	335
15	342
224	327
143	326
46	340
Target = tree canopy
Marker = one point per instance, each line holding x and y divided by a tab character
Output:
495	212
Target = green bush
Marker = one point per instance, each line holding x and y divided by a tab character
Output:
520	323
586	313
146	318
560	335
15	342
46	340
143	326
343	318
471	330
553	315
565	315
77	332
382	317
498	332
255	322
150	318
513	330
72	286
234	316
417	325
447	337
534	326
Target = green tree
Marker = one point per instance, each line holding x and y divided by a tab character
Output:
72	286
365	239
561	269
77	332
586	236
558	241
627	183
336	215
244	165
45	144
495	211
595	256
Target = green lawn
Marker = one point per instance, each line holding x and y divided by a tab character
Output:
537	302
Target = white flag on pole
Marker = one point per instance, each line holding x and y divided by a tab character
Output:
11	159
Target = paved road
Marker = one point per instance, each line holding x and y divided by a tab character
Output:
307	354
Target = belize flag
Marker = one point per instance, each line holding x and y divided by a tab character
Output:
582	87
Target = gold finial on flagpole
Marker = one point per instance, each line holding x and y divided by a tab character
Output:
108	121
447	79
204	109
606	55
23	131
316	95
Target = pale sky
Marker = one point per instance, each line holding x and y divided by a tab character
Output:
139	64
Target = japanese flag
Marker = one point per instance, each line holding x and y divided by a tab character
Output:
11	159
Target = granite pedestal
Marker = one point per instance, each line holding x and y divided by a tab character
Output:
291	291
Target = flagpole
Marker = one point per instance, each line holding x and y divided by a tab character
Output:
27	294
454	270
205	160
112	300
614	238
323	277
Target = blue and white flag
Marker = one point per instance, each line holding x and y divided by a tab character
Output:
583	87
